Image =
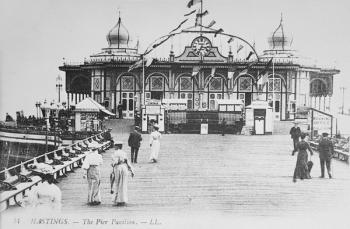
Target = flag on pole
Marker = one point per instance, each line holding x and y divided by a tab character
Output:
212	74
266	67
149	61
263	79
159	43
195	70
231	72
203	14
239	48
218	31
193	2
178	27
190	13
211	23
137	64
230	40
249	55
246	69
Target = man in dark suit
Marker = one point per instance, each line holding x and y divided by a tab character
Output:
326	150
295	133
134	142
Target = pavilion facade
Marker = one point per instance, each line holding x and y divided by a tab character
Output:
291	87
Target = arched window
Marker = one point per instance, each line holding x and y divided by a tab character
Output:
276	86
186	84
245	84
80	84
318	88
157	83
127	83
216	84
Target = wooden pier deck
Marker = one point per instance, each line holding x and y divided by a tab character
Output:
212	180
244	175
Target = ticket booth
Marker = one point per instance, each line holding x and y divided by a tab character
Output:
259	116
152	113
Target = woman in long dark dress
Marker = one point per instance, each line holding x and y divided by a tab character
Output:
301	170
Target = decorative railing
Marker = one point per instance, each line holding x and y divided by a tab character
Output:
14	187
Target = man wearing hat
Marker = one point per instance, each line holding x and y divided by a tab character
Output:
134	142
326	150
92	164
295	133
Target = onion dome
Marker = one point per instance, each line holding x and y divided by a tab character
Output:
118	36
278	39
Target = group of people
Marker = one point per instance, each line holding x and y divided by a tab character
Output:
121	167
303	164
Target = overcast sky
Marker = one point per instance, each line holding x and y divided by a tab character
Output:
36	35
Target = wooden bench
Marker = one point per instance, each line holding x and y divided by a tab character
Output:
8	198
338	154
62	170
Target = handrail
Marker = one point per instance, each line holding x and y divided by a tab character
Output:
45	154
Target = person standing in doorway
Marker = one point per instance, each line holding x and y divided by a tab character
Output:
134	142
326	150
92	164
223	126
295	133
120	110
154	143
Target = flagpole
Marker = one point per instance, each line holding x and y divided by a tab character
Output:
201	16
143	80
273	88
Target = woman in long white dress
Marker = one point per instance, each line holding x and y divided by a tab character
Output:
45	198
154	142
119	175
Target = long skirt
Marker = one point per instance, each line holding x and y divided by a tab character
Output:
94	180
301	170
121	184
155	150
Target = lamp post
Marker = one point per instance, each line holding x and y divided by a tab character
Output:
37	105
342	106
59	87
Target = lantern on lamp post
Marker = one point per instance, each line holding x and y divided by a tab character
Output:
59	87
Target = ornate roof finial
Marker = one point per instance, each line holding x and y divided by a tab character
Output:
281	18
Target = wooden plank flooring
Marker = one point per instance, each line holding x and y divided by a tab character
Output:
244	175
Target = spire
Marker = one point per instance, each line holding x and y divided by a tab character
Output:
118	36
278	40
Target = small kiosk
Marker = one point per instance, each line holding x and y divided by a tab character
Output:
87	115
152	112
259	116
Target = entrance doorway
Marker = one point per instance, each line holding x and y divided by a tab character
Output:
128	105
247	98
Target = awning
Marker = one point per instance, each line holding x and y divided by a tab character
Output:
90	105
108	112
